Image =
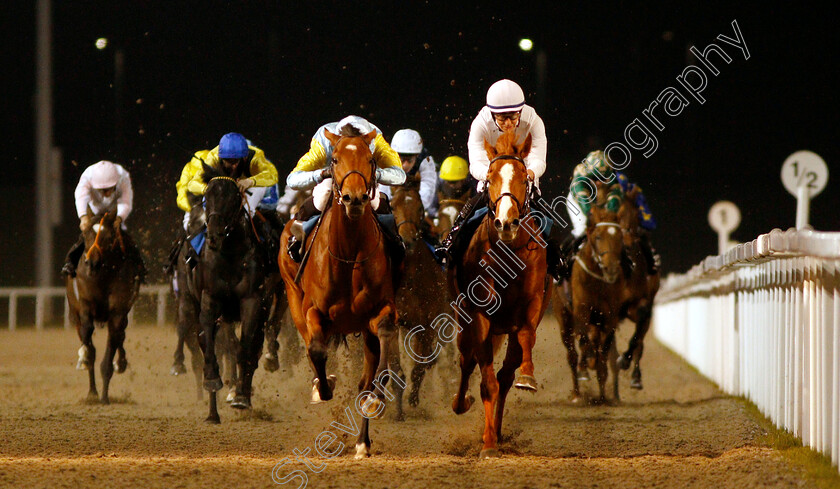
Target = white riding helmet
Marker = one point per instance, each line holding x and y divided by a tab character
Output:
104	175
359	123
505	96
407	141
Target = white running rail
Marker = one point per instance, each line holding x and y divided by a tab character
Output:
42	294
763	321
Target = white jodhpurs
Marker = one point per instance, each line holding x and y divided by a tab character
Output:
577	217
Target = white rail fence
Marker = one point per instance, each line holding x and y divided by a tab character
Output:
44	294
763	321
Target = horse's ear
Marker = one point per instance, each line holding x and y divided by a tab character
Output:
525	148
206	172
491	150
333	138
369	137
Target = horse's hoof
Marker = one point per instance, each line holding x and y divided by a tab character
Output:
583	376
271	363
636	384
120	365
213	420
371	407
316	392
400	416
489	453
105	401
623	362
576	399
362	451
178	369
230	396
213	385
82	365
241	402
463	407
526	382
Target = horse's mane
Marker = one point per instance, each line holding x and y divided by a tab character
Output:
349	130
505	143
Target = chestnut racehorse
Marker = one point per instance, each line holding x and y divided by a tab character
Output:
102	292
503	275
421	296
347	285
449	206
640	289
589	305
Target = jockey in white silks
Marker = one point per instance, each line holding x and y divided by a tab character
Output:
505	110
103	187
416	160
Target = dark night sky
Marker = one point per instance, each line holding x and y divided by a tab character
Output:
276	71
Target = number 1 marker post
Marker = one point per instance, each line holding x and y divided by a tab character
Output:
724	218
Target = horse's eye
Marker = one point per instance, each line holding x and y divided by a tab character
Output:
333	160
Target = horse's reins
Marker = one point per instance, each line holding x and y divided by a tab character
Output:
95	244
243	203
597	257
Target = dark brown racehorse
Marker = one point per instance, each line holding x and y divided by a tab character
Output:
589	306
421	296
103	291
234	285
503	278
640	288
347	285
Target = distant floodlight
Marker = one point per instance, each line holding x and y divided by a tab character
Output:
525	44
101	43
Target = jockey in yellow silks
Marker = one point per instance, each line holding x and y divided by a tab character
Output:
312	170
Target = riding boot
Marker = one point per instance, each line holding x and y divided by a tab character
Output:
174	252
306	211
72	259
649	253
451	244
396	247
568	249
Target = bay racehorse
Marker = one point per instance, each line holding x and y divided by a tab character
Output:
347	285
501	289
640	288
234	284
588	306
422	294
102	293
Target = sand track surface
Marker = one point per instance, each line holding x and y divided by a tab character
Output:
680	431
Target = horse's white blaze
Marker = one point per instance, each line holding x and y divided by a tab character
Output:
611	230
351	147
450	211
506	203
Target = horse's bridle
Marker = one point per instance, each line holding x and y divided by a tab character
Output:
523	207
370	183
229	226
118	241
597	256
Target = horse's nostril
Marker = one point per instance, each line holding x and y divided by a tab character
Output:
498	223
515	223
365	197
345	197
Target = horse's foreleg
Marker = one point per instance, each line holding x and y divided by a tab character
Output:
186	308
424	344
317	348
527	338
466	346
490	397
272	327
389	369
116	336
250	345
567	333
642	327
212	381
602	349
613	367
513	359
372	353
87	352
